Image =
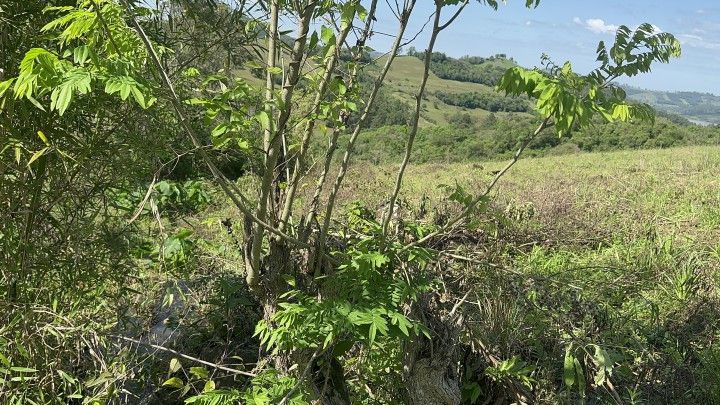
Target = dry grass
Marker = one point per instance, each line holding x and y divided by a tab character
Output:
674	192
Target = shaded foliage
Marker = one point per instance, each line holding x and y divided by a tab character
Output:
486	101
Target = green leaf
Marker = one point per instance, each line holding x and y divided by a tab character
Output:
174	382
313	41
327	35
175	365
199	372
264	119
580	376
219	130
371	334
43	138
37	155
35	102
60	98
23	370
5	85
604	363
4	360
80	54
209	386
139	97
569	368
347	14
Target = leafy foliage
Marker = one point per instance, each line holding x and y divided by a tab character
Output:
569	98
365	298
73	69
486	101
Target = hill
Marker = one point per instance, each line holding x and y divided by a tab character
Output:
466	85
467	120
701	108
464	119
438	107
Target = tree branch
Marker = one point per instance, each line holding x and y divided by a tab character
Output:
184	356
416	116
228	187
470	207
407	11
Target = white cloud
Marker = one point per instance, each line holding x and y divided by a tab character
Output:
685	37
696	41
599	26
528	22
596	25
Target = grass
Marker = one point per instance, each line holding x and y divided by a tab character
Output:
676	190
618	250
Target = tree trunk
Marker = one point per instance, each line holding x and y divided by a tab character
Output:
327	378
329	382
431	374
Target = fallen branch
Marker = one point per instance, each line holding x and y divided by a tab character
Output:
184	356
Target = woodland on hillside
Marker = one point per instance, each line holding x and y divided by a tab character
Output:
189	213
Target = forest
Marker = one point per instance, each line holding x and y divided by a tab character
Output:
243	202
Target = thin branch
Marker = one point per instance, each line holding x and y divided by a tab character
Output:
470	207
457	13
332	146
302	377
310	125
275	145
416	118
105	26
437	28
270	148
363	118
228	187
184	356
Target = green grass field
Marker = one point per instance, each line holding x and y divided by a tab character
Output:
618	249
676	189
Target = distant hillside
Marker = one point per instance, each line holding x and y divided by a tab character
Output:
466	85
702	108
463	118
455	86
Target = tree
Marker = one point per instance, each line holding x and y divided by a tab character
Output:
325	290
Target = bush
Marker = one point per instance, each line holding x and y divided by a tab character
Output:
486	101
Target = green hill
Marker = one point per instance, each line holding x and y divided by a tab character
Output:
404	78
471	81
464	119
702	108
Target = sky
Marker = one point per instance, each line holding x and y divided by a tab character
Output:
571	29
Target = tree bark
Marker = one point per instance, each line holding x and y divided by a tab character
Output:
431	375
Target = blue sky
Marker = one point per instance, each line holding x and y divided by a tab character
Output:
570	30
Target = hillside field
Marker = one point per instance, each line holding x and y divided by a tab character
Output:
403	79
614	249
579	252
